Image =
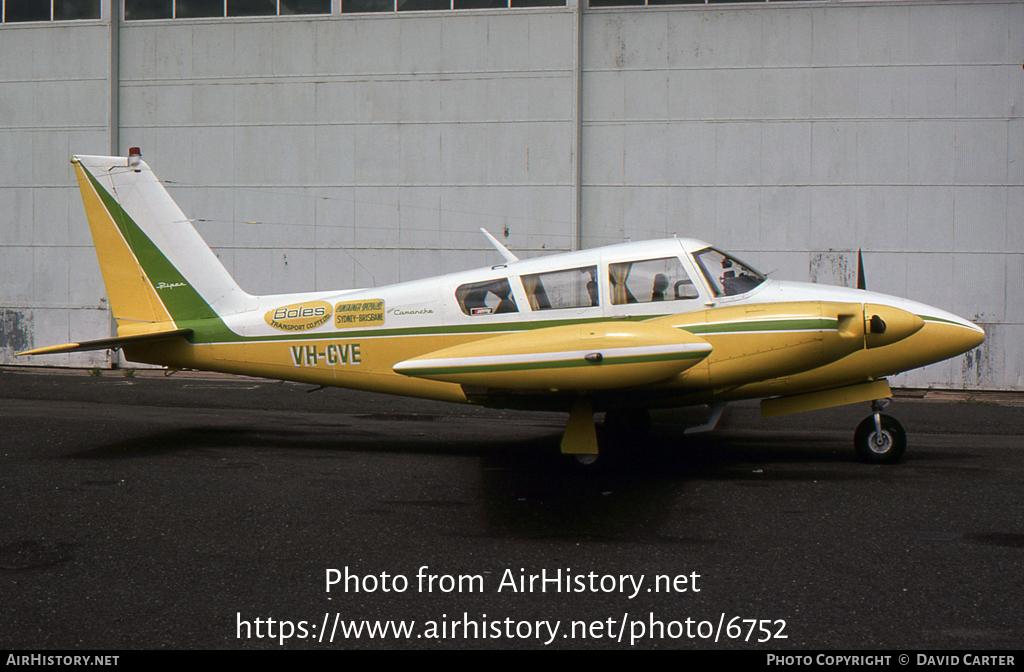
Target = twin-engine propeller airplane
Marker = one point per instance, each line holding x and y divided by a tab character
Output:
618	329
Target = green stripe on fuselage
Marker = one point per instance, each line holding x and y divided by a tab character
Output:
929	318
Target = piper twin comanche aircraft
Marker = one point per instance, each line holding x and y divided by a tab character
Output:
619	329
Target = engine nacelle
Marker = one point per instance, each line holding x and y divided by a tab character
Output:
594	356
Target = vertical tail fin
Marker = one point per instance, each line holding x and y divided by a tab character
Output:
158	271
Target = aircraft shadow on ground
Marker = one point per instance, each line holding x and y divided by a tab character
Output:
529	490
667	453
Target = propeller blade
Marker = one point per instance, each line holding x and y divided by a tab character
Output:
861	282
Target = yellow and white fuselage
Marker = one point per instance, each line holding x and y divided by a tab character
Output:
639	325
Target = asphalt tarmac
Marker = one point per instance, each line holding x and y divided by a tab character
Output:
154	512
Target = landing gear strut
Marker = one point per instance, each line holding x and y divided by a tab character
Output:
880	439
621	427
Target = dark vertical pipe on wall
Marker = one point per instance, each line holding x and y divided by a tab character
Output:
577	242
115	118
115	76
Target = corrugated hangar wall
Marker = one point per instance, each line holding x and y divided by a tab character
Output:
350	150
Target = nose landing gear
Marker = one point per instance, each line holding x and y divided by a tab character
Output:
880	438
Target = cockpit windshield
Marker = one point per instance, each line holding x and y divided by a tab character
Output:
726	274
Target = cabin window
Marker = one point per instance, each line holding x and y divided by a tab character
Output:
486	298
571	288
726	274
650	280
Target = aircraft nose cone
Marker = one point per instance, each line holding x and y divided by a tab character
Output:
971	338
960	339
949	338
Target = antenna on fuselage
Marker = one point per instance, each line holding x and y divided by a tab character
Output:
502	250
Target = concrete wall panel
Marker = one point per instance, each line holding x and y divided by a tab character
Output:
172	52
789	37
786	93
214	160
882	152
738	153
17	208
419	220
644	211
603	152
835	92
785	217
295	45
50	215
13	109
833	218
736	94
690	213
974	211
834	152
982	152
645	159
881	218
335	101
16	290
932	92
646	96
835	38
213	49
690	149
690	94
737	218
930	214
335	219
931	152
785	153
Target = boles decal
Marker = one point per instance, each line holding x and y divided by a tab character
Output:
299	316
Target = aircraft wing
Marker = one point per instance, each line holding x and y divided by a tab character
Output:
109	343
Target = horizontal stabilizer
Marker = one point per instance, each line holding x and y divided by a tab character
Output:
109	343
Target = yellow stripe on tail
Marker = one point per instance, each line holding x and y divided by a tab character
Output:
136	307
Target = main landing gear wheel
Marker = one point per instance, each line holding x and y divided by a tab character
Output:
880	439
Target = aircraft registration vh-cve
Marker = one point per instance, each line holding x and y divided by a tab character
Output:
619	329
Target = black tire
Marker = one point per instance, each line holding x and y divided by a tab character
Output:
892	445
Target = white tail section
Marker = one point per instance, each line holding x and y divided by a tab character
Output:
134	190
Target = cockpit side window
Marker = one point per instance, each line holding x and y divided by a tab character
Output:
571	288
650	280
726	274
486	298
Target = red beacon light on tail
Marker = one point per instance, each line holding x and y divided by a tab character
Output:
134	158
